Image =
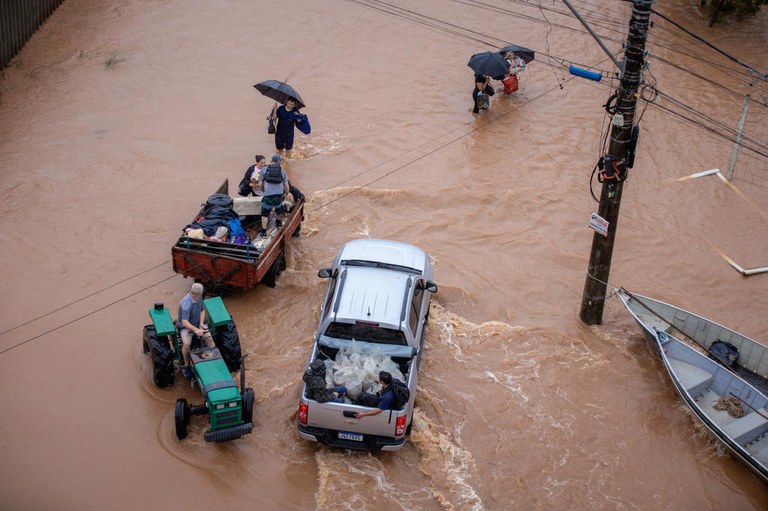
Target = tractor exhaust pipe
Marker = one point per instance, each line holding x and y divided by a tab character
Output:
242	373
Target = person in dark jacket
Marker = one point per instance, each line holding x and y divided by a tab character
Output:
314	377
481	93
286	116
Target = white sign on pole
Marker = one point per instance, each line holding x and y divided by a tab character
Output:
599	224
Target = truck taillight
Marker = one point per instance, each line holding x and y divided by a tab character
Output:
400	426
303	413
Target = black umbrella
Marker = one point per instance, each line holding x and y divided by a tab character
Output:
519	51
488	63
279	91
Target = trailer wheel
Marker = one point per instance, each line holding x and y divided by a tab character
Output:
182	418
297	232
270	279
248	405
162	358
228	342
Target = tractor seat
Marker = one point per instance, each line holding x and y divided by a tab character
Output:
204	354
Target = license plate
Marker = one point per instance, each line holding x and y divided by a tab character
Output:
357	437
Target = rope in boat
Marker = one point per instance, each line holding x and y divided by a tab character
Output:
730	404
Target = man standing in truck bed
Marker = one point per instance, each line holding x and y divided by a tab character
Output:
386	395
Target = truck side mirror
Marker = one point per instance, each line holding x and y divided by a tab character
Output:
430	286
325	273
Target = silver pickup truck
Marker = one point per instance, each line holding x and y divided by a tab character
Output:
378	297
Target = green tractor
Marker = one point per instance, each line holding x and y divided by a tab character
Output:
230	410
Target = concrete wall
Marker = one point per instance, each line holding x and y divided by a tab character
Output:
19	19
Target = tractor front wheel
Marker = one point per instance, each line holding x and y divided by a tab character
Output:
248	405
182	418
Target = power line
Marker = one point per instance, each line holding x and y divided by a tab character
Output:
730	57
84	298
6	350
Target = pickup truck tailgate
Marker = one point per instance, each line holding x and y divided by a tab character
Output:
331	416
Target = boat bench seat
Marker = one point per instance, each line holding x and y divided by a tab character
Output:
694	379
747	428
651	321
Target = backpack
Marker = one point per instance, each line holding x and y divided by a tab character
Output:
273	174
402	393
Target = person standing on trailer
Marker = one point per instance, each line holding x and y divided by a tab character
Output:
273	181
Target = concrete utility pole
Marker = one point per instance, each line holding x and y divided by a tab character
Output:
616	164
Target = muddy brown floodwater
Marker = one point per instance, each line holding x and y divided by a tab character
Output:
520	405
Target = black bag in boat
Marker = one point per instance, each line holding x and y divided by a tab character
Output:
725	352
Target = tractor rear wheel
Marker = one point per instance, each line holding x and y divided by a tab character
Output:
228	342
182	418
248	405
162	357
145	339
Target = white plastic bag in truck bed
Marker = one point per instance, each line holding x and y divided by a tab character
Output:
358	371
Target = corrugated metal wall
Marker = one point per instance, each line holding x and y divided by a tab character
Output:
19	19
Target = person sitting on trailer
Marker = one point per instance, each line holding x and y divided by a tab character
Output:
192	321
273	181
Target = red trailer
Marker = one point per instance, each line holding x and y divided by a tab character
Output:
226	266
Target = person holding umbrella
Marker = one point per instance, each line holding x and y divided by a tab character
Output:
286	116
517	57
485	65
481	94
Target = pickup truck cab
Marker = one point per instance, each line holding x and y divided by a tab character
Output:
378	296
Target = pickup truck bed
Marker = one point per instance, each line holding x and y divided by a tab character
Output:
367	433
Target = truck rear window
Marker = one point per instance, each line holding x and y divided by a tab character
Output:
367	333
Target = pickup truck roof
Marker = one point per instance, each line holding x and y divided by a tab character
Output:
385	251
381	303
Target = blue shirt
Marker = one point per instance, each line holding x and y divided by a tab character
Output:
387	401
272	188
190	310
